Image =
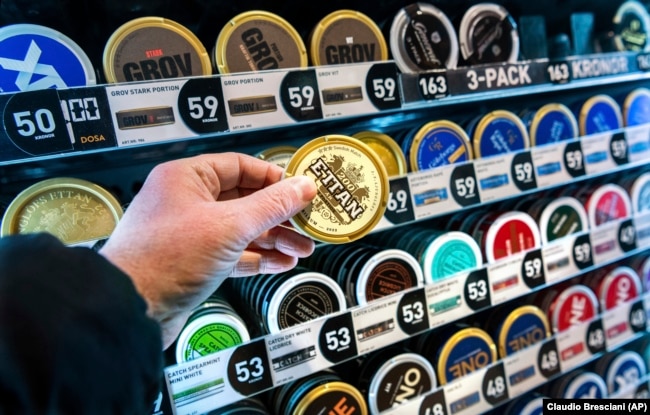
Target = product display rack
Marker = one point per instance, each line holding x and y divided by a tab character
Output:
96	149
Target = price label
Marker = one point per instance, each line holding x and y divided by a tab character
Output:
582	254
336	339
522	171
433	85
88	117
595	337
627	236
434	404
494	388
400	207
532	269
558	72
248	369
299	96
463	185
477	291
496	77
201	105
412	313
382	87
548	359
638	318
618	148
574	159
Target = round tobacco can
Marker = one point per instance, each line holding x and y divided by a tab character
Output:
352	188
552	123
74	210
605	203
598	114
387	150
258	40
435	144
150	48
498	132
559	217
615	286
568	306
278	155
636	107
638	187
488	34
580	384
621	370
520	328
631	26
466	351
502	234
346	36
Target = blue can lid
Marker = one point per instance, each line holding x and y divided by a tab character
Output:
581	385
626	369
522	327
552	123
636	108
465	351
529	404
499	132
34	57
439	143
598	114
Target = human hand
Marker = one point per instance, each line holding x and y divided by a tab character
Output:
200	220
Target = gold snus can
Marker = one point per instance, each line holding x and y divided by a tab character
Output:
352	188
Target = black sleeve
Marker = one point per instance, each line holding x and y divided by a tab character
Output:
74	336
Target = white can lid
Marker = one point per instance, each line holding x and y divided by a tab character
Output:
640	193
576	384
224	331
623	362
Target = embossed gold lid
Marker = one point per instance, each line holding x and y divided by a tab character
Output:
73	210
387	149
352	188
278	155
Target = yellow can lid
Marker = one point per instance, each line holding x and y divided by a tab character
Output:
318	399
387	150
278	155
346	36
73	210
169	50
352	185
258	40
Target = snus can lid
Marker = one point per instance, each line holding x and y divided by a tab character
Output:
421	38
620	285
584	385
325	398
468	343
636	107
631	25
640	193
387	150
450	253
561	217
527	405
488	34
575	304
522	327
352	188
279	155
439	143
499	132
625	370
599	114
169	49
410	371
552	123
510	233
209	333
231	53
608	203
346	36
38	57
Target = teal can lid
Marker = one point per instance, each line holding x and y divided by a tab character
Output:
450	253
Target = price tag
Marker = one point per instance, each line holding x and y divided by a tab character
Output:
627	235
299	96
463	185
381	82
558	72
201	106
595	338
336	338
445	300
506	279
558	259
522	171
642	229
573	344
574	162
412	315
433	85
493	177
605	242
550	162
623	322
433	404
375	325
596	66
88	117
638	144
548	359
643	61
618	148
597	153
532	269
494	387
477	290
293	351
581	252
496	77
521	372
430	194
400	208
248	369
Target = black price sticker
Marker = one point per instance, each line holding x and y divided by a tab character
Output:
248	369
522	171
627	235
299	96
400	206
596	337
463	185
477	292
532	269
336	339
35	124
582	255
618	148
201	105
638	319
382	86
412	312
434	404
643	61
88	116
433	85
574	159
548	359
558	72
494	388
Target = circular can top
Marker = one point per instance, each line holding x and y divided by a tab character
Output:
209	333
563	314
279	155
552	123
352	188
525	325
329	394
598	114
529	404
560	217
636	107
257	29
463	345
608	203
631	25
639	192
439	143
499	132
152	47
625	369
488	34
510	233
37	57
450	253
421	38
346	36
74	210
387	150
581	385
620	285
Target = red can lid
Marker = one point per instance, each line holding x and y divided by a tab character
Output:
572	306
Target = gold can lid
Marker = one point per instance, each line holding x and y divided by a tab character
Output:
346	36
387	150
73	210
321	397
167	48
352	186
240	41
278	155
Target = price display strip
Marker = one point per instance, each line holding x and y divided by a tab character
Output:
506	277
376	324
622	323
601	65
580	343
355	89
497	77
424	86
502	176
566	257
638	143
558	163
642	227
606	240
532	366
604	152
446	299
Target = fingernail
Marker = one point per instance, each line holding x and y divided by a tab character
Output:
305	186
